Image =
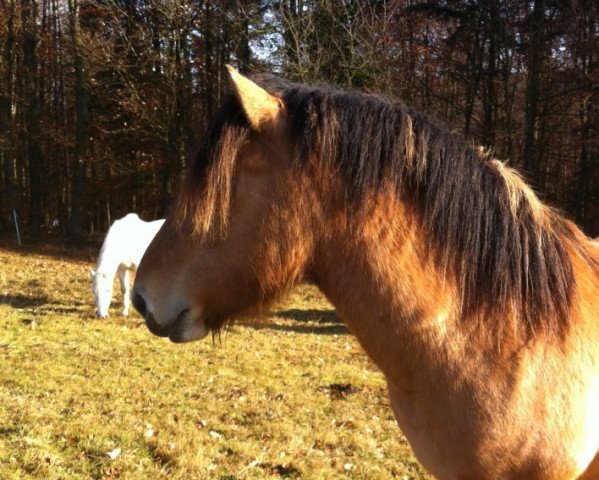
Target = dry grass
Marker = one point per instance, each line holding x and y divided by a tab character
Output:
267	401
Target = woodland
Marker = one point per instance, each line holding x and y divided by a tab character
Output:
103	101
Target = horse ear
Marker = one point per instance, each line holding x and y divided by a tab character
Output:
261	108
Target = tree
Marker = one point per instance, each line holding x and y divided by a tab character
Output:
78	206
102	101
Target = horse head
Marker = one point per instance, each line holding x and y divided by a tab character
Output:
102	284
239	232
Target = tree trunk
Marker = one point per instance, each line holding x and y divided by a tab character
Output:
35	159
77	220
533	89
7	153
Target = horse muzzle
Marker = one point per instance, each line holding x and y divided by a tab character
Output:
186	327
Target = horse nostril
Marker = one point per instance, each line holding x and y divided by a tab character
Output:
139	303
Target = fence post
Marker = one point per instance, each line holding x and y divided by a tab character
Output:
16	220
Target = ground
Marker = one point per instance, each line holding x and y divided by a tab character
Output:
292	396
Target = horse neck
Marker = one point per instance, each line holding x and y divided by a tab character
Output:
109	259
387	289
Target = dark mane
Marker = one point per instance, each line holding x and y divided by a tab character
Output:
210	175
507	251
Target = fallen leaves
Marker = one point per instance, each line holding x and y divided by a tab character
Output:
114	454
202	424
339	391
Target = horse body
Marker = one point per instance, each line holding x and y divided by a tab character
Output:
470	408
121	252
477	303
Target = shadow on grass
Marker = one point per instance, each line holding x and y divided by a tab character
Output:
310	315
41	304
312	321
326	329
18	300
84	251
10	431
58	308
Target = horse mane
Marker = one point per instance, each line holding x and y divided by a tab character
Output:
481	223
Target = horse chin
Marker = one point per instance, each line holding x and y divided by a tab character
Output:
187	328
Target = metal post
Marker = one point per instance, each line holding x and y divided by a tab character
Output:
16	220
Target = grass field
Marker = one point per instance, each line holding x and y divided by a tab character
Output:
81	398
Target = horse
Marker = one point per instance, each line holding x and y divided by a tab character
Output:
478	302
121	252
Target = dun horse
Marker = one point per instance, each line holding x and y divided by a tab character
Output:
479	304
121	252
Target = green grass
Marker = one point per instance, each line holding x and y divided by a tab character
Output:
266	401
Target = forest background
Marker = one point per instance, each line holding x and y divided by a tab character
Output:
103	101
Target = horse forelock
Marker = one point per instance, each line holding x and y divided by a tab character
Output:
201	208
481	222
